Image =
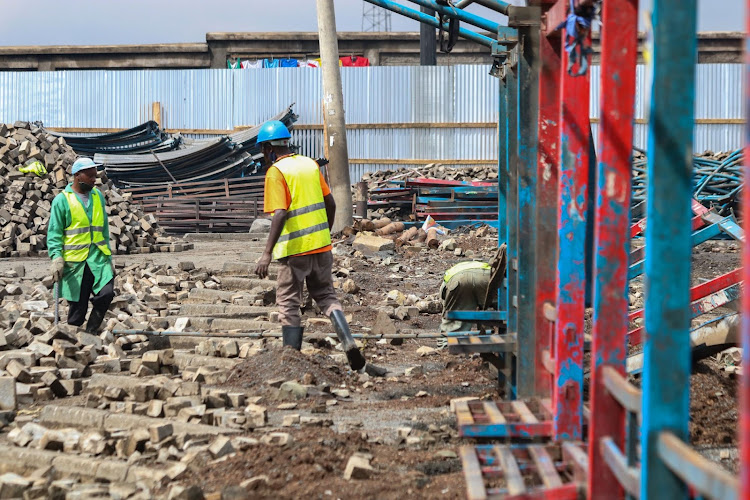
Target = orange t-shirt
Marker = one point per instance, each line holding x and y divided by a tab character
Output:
276	196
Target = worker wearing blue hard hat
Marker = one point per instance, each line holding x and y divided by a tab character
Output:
300	238
78	244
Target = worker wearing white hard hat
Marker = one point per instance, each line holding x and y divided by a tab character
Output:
78	244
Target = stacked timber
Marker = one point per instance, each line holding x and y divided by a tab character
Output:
26	198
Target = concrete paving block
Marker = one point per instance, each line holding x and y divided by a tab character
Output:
221	446
358	467
12	485
8	393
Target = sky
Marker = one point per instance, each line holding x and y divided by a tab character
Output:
104	22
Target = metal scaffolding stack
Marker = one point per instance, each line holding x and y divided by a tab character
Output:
565	216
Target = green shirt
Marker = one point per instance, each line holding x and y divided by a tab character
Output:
99	264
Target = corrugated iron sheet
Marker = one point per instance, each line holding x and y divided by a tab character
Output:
222	99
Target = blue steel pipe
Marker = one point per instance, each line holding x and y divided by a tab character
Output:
496	5
424	18
464	16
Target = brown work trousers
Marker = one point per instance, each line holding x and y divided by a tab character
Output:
314	269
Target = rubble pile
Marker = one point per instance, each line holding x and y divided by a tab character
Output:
26	198
371	236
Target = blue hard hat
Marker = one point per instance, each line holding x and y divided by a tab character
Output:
83	164
273	130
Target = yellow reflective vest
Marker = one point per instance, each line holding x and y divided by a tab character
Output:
81	234
463	266
306	225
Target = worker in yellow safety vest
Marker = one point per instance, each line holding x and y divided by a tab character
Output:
303	211
78	244
471	286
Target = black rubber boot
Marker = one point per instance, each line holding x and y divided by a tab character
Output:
375	370
292	336
356	359
95	321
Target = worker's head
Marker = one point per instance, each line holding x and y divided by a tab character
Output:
274	140
84	173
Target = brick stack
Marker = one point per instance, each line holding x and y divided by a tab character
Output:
26	199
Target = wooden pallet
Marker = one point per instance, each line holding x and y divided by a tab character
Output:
468	344
503	419
525	471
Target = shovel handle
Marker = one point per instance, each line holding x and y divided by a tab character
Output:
57	303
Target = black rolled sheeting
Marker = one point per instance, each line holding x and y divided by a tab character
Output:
145	137
229	156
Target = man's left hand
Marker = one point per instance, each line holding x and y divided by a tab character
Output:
261	269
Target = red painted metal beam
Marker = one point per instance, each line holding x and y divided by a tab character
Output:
571	272
638	228
744	426
547	178
704	289
618	69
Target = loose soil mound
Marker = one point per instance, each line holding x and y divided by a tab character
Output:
288	364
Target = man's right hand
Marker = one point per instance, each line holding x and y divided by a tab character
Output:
56	269
262	268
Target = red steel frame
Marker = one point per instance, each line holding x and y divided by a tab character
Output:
547	177
619	52
744	429
567	395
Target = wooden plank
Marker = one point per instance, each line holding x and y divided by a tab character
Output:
463	414
545	466
472	474
700	473
361	126
623	391
513	479
578	458
493	413
523	412
628	477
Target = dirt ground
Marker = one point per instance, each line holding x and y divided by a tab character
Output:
367	421
372	415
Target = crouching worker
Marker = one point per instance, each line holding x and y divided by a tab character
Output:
78	244
471	286
300	238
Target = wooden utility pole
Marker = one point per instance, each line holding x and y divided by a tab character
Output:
333	109
427	42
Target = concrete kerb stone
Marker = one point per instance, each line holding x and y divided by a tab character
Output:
223	236
24	460
219	310
87	418
225	324
235	283
183	360
93	419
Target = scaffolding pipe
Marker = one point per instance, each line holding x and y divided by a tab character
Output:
463	16
424	18
496	5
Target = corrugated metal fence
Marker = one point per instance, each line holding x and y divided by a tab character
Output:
405	115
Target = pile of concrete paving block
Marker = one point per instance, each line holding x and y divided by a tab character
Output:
26	198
